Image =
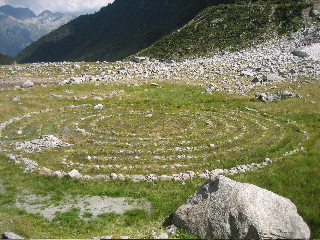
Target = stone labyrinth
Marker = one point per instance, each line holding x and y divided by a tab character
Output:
84	141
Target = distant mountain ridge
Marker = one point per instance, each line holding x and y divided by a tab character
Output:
20	26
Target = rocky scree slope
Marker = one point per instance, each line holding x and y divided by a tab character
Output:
20	26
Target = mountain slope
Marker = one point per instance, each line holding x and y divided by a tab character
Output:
20	26
116	31
5	60
230	27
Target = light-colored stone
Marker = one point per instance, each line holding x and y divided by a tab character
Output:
98	107
223	208
74	174
11	235
27	84
45	171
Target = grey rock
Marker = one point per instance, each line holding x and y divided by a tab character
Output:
162	236
272	77
103	237
56	96
98	107
300	53
97	98
138	177
74	174
222	208
141	59
255	80
76	66
75	80
172	229
267	97
16	98
29	165
58	174
27	84
11	235
113	176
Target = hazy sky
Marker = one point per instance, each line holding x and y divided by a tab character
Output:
76	7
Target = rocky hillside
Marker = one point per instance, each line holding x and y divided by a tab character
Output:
20	26
232	27
118	30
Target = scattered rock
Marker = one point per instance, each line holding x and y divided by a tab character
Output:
98	107
58	174
11	235
44	141
141	59
267	97
45	171
222	208
272	77
74	174
27	84
56	96
97	98
16	99
300	54
172	229
29	165
162	236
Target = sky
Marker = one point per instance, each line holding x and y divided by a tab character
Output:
76	7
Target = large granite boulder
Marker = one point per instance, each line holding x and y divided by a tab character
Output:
222	208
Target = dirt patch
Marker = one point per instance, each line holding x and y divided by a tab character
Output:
95	205
17	81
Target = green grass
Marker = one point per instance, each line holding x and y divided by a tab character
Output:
181	107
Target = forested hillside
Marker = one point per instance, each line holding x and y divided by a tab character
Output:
5	60
116	31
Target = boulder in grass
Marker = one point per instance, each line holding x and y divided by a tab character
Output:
45	171
222	208
74	174
27	84
11	235
98	107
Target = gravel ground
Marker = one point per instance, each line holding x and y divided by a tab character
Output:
12	82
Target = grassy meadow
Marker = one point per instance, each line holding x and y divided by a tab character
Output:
148	130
